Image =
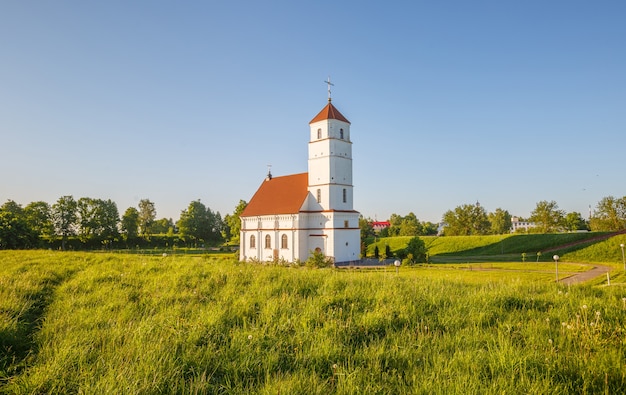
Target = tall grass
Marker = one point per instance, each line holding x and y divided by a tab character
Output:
125	324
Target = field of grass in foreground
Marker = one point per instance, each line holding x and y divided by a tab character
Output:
115	323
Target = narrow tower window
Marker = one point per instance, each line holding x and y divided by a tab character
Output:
341	134
283	241
345	224
252	241
345	195
268	241
319	133
319	196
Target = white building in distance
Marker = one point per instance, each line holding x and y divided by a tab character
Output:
516	224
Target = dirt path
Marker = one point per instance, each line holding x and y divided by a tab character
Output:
596	271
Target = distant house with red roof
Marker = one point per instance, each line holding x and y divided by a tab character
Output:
380	225
291	216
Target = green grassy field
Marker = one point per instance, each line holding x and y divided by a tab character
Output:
139	324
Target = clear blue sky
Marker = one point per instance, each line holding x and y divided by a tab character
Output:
451	102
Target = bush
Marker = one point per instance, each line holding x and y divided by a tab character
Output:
318	259
415	251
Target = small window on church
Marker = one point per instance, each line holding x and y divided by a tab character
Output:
252	241
319	196
283	242
341	134
319	133
345	195
345	224
268	241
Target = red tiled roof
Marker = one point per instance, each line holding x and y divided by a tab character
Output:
329	112
279	195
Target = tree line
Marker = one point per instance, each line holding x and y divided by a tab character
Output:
472	219
96	223
89	223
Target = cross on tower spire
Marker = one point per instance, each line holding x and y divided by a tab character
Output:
269	172
327	82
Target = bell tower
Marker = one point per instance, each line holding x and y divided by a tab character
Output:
333	224
330	160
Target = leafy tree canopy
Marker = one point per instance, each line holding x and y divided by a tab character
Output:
466	220
198	224
547	216
610	214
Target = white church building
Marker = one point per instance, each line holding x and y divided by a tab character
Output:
290	217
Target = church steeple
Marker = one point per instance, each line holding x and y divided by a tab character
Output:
330	160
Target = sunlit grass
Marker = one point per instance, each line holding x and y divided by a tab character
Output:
121	323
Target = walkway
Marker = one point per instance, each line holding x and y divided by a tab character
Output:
596	271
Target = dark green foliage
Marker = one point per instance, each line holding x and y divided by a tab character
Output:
15	232
415	251
318	259
232	223
199	225
547	216
610	214
466	220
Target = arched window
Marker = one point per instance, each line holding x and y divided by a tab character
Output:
319	133
283	241
319	196
268	241
252	241
345	195
341	134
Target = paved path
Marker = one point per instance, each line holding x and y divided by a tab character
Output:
576	278
596	271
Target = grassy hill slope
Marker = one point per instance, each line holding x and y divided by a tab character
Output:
582	247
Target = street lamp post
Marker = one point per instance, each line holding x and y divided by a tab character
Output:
556	262
623	258
397	264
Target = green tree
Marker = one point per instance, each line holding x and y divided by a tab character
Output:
610	214
130	223
410	226
367	232
147	215
97	220
163	226
14	230
415	251
198	224
547	216
108	219
574	221
39	218
64	218
429	228
466	220
232	223
500	222
395	221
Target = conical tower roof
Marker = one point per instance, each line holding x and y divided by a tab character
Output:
329	112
